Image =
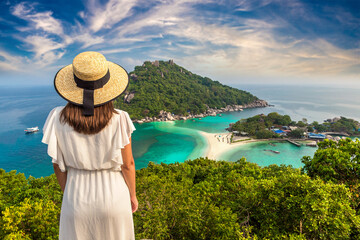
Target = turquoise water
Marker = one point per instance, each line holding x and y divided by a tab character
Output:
168	142
254	152
162	142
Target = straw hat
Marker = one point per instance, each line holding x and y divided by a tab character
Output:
91	81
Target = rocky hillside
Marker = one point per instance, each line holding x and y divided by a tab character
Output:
162	90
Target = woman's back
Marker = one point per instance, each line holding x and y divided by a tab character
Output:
90	152
90	146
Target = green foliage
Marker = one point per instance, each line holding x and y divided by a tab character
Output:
275	202
265	134
31	219
199	199
347	125
301	124
29	208
259	125
335	161
319	127
296	133
178	91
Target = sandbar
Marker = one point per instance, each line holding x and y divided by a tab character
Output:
219	143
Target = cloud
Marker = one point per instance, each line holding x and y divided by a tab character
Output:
246	5
87	39
10	62
226	43
41	45
104	17
318	60
38	20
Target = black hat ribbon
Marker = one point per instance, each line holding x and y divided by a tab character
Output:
89	87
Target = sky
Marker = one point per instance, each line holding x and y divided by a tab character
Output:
234	42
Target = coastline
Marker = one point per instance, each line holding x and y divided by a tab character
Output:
217	147
218	144
168	116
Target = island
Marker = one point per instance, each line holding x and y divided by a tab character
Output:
275	127
165	91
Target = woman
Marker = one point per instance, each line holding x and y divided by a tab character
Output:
90	146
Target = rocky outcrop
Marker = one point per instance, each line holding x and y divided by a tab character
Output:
167	116
133	76
257	104
156	63
128	97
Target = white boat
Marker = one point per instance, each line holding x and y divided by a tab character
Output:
31	130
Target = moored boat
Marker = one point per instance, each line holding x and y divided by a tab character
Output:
269	150
32	130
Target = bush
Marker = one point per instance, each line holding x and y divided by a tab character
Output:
200	199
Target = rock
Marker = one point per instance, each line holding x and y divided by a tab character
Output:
133	76
129	97
156	63
171	62
162	74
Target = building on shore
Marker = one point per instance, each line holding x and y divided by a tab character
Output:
316	136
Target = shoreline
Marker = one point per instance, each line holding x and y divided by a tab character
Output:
167	116
217	147
218	144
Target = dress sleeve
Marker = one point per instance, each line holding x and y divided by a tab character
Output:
126	127
124	131
51	140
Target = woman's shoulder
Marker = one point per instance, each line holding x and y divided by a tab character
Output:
123	116
122	113
56	110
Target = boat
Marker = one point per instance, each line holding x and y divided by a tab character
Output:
32	130
269	150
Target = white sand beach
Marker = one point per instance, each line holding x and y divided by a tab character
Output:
219	143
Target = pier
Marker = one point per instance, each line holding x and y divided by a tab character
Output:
293	142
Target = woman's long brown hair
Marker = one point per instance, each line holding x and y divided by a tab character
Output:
73	115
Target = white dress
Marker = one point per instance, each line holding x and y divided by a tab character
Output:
96	202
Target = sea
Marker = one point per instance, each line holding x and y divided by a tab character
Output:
170	142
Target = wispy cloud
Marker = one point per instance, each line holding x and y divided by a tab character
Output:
10	62
38	20
105	16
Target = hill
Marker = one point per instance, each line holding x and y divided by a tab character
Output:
164	86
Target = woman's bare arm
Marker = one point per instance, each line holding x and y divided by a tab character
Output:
61	176
128	170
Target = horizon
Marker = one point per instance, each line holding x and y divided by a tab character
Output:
233	42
